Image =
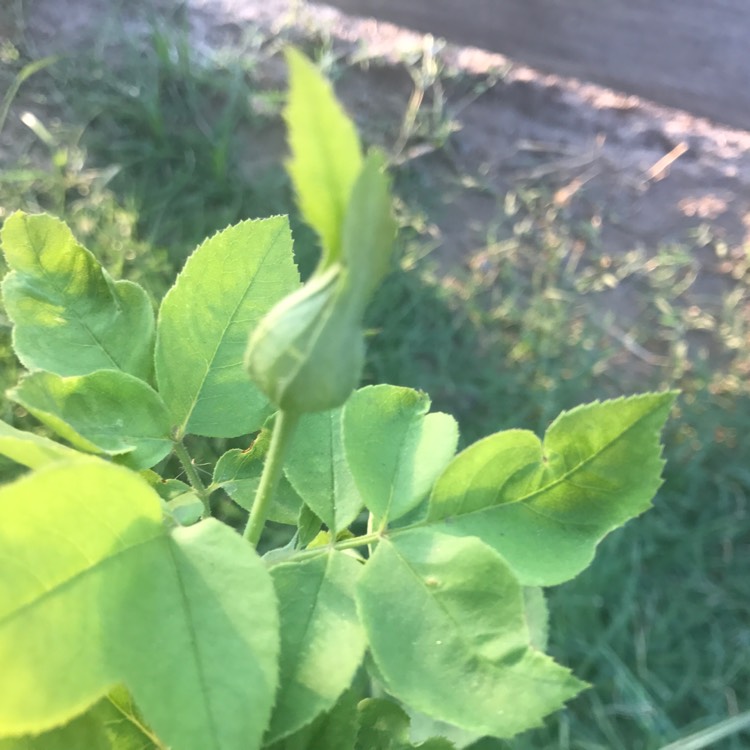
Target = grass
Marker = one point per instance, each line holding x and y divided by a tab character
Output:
147	162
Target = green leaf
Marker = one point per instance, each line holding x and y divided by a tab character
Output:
95	591
227	285
545	507
334	730
106	412
322	642
369	229
182	502
113	723
83	732
445	622
69	316
326	155
308	526
383	725
395	449
31	450
123	722
238	473
318	469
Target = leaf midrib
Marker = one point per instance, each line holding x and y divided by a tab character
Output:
231	319
73	307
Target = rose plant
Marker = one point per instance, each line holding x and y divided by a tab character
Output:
131	617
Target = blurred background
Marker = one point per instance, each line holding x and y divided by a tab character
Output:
560	242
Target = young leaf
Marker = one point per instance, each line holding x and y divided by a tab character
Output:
106	412
238	473
384	725
545	507
326	155
95	591
85	731
395	449
445	622
113	723
369	229
31	450
318	469
123	723
334	730
227	285
322	642
69	316
182	503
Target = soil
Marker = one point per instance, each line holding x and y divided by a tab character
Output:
642	174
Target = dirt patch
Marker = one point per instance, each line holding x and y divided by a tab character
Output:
637	175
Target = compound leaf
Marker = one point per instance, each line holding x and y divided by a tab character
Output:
326	154
545	506
445	622
322	641
95	591
318	469
227	285
106	412
69	316
395	449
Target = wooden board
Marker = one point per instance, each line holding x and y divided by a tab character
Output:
690	54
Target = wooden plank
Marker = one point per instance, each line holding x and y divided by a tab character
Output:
689	54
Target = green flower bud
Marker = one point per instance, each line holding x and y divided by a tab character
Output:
307	353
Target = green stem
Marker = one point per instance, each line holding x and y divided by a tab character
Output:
283	430
193	477
357	541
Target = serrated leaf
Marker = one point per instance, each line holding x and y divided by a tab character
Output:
123	723
95	591
238	473
334	730
318	469
69	316
369	229
394	448
545	507
31	450
383	725
322	642
107	411
84	732
227	285
445	622
326	155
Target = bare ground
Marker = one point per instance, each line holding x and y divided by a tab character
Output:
639	175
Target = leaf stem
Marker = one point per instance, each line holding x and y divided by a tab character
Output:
283	430
193	476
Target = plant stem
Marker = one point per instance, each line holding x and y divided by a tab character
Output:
193	477
357	541
283	430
